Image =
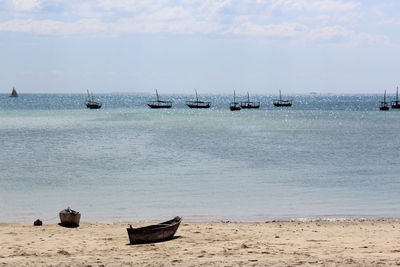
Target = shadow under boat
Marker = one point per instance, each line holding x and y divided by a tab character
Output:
154	233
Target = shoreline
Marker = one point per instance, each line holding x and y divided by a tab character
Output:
350	243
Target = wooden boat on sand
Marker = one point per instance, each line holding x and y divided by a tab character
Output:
69	217
154	233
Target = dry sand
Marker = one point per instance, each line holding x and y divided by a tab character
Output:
360	243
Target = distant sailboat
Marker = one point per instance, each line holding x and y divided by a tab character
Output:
249	104
91	104
234	105
14	93
384	104
282	103
198	103
159	103
396	104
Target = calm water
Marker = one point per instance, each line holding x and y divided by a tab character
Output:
327	157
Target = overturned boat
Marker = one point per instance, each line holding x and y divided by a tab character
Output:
154	233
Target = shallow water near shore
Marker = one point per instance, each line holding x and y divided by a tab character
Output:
326	157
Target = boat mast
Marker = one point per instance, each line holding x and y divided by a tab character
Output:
280	95
248	97
397	95
197	99
157	96
234	96
384	97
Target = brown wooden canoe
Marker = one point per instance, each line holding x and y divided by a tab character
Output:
154	233
70	218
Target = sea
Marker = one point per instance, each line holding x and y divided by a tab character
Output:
329	157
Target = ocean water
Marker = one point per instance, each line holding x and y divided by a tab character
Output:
328	157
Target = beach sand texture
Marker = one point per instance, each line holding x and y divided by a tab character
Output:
355	243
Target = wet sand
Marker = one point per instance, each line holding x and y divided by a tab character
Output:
355	243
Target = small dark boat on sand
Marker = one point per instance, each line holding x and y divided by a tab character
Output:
69	217
198	103
159	103
384	104
154	233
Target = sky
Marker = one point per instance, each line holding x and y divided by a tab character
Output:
260	46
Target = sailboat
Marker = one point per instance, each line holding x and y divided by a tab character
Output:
396	104
249	104
159	103
198	103
384	104
14	93
282	103
91	103
234	105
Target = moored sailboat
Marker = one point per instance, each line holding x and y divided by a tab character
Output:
234	105
396	103
282	103
198	103
91	103
249	104
14	93
384	104
159	103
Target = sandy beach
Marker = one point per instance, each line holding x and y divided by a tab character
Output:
355	243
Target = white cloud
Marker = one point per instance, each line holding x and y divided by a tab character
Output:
321	21
23	5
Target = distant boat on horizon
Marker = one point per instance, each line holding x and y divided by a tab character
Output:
159	103
249	104
396	104
14	93
91	103
198	103
234	105
282	103
384	104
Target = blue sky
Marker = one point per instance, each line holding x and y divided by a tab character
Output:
261	46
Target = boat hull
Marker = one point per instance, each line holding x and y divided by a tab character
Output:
159	106
384	108
70	219
282	105
91	106
198	106
154	233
